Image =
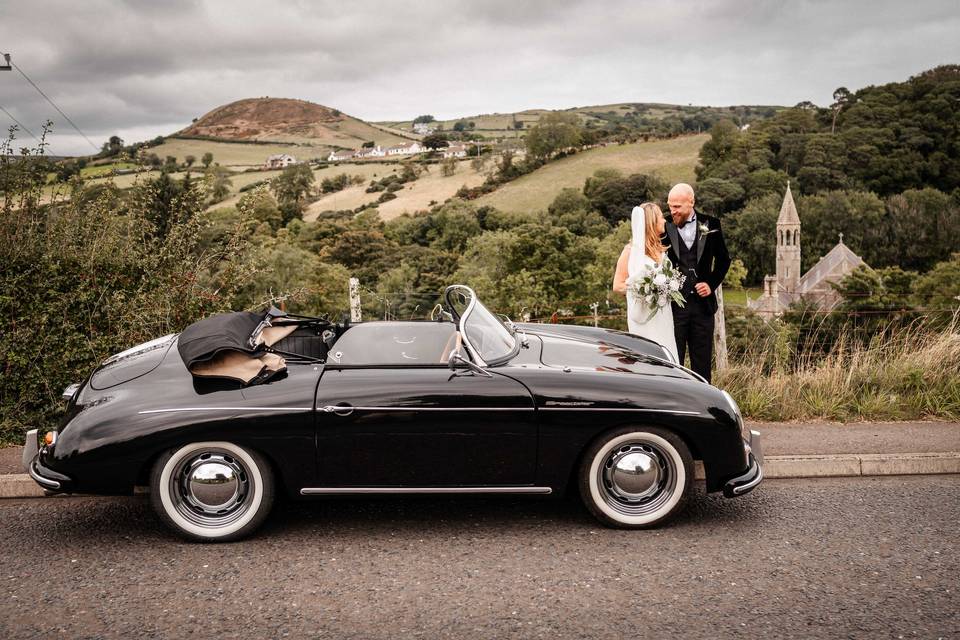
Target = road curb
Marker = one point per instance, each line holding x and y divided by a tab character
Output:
21	485
847	465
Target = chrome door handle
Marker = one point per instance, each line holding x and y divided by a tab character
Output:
342	409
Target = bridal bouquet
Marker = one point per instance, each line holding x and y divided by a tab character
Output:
657	286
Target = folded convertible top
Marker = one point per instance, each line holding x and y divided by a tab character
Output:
234	345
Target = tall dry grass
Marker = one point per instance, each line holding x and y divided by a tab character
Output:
908	373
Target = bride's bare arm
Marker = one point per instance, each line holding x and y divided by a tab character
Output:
620	276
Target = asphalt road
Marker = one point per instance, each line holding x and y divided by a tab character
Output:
850	557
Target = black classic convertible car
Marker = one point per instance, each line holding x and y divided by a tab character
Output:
241	407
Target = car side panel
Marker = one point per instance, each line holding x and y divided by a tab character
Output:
424	426
574	407
110	437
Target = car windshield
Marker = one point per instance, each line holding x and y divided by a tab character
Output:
484	332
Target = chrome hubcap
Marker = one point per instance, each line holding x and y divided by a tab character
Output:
637	478
211	488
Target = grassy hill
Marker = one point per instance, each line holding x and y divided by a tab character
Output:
630	114
674	160
286	120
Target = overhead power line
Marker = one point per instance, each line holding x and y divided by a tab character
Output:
19	124
53	104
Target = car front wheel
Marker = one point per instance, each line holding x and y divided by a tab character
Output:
212	491
636	478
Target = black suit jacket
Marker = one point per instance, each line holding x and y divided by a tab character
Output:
713	260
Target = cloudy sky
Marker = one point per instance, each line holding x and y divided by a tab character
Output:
140	69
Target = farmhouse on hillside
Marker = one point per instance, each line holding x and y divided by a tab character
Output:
788	285
455	151
423	128
345	154
405	149
280	161
371	152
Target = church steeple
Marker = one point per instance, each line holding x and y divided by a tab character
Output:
788	244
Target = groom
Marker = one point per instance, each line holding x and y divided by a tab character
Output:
695	245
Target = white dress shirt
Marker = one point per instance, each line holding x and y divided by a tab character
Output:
688	232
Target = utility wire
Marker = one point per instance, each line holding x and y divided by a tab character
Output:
20	124
52	103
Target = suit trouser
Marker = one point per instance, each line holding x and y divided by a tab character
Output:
693	329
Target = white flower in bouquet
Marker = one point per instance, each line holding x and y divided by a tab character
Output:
658	285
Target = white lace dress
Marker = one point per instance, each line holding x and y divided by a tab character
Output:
659	328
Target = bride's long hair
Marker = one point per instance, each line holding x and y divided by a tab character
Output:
652	245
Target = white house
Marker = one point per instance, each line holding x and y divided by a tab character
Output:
423	128
371	152
405	149
346	154
280	161
455	151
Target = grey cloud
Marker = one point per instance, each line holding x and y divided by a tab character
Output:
140	66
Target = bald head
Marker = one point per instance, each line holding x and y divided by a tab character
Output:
681	202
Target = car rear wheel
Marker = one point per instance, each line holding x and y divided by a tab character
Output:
212	491
636	478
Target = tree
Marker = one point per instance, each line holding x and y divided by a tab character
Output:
218	183
291	188
939	288
170	164
460	126
206	159
112	147
717	196
554	132
434	141
262	207
736	274
448	166
841	98
189	160
615	198
423	119
750	234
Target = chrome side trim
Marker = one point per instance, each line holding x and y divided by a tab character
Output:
174	410
671	411
331	408
43	482
330	491
335	408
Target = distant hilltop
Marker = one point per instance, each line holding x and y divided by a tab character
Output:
285	120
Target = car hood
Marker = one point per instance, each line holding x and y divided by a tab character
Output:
599	356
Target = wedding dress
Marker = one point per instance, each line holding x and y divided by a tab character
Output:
659	328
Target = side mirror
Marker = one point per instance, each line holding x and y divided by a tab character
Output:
456	358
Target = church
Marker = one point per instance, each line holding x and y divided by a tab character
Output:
788	285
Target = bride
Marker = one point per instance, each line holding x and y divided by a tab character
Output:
642	254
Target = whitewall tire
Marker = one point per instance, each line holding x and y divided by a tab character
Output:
212	491
636	477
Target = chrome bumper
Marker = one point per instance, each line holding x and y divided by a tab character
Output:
39	473
747	481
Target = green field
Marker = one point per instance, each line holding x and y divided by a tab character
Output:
738	297
234	154
673	160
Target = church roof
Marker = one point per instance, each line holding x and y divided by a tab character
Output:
788	210
838	262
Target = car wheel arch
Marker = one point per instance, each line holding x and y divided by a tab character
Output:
571	484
